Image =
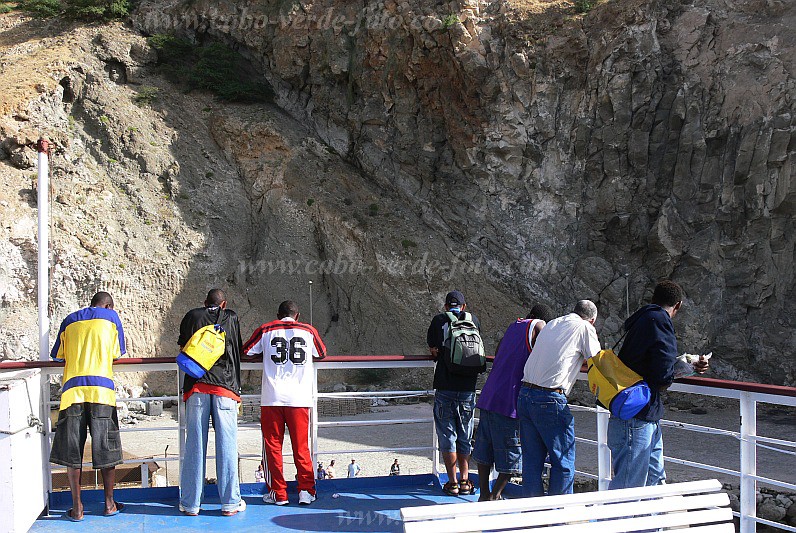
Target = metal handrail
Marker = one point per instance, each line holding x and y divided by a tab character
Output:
748	394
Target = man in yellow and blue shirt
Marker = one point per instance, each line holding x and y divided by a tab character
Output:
88	342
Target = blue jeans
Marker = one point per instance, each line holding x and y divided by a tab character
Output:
453	420
636	453
546	428
198	410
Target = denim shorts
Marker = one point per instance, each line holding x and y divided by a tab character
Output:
453	420
497	442
71	430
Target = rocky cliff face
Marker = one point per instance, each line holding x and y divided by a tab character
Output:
548	156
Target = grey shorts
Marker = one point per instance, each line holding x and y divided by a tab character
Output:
70	436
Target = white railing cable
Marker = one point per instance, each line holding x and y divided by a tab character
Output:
776	483
384	422
699	429
702	466
777	525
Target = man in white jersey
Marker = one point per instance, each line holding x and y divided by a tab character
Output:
288	348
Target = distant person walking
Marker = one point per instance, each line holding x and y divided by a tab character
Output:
650	349
321	472
395	469
546	424
289	348
497	441
215	396
88	342
330	470
353	469
454	398
259	474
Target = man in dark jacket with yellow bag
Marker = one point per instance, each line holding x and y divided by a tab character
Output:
650	349
216	394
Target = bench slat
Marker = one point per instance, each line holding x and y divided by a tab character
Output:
714	528
411	514
570	514
644	523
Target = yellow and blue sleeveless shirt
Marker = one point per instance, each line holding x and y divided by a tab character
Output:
89	340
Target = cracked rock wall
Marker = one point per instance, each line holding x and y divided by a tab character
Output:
645	139
521	155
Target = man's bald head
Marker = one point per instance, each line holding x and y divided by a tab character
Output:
102	299
215	298
586	310
288	308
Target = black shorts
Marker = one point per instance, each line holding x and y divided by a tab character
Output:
70	436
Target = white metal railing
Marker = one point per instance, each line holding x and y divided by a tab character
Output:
748	395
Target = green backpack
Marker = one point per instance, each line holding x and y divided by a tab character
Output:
464	347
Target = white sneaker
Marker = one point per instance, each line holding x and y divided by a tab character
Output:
305	498
185	511
271	498
239	509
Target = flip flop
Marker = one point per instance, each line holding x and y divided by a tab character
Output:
119	508
69	516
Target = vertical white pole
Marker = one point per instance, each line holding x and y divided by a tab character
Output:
748	463
144	475
603	452
314	418
43	202
43	293
311	303
627	294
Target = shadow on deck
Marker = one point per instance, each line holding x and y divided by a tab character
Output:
343	505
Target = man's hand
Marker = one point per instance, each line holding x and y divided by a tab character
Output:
700	367
434	351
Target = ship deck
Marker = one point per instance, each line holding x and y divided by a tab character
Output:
343	505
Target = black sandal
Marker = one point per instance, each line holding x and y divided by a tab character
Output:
466	487
451	488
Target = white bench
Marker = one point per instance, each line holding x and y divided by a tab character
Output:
698	504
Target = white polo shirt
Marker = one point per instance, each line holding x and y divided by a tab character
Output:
560	349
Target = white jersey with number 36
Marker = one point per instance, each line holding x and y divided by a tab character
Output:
288	348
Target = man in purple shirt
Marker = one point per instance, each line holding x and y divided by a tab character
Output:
497	441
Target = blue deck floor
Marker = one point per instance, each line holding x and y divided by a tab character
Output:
343	505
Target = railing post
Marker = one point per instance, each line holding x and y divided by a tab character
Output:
46	421
180	429
603	451
314	417
144	476
748	463
434	451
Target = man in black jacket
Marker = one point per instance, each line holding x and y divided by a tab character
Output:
216	395
454	400
650	349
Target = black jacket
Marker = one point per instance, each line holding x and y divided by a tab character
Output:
226	372
650	349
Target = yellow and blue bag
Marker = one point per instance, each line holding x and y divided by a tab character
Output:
617	388
203	349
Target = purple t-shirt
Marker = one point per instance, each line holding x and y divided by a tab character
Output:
502	387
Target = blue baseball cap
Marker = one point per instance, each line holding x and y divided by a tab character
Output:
454	299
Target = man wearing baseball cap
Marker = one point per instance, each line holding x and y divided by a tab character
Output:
454	400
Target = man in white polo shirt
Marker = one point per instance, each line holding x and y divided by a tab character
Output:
546	424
